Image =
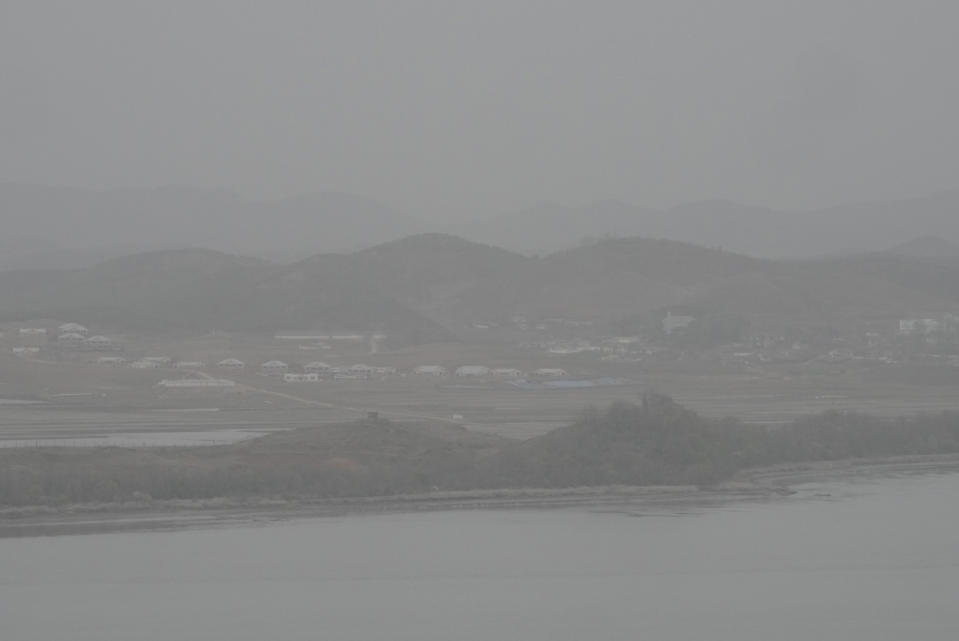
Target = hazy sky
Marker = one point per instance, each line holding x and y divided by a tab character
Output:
459	109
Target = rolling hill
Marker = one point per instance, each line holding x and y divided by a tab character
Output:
752	230
445	277
453	281
425	288
205	290
926	247
59	227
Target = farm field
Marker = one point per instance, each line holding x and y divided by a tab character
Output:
138	413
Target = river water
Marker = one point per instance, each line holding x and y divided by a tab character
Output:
871	560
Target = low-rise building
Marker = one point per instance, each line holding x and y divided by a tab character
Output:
550	372
196	383
301	378
430	370
316	367
101	344
26	351
350	377
274	368
161	361
231	364
674	322
914	326
384	371
472	371
188	365
73	328
71	340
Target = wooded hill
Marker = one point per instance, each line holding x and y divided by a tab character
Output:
657	442
425	288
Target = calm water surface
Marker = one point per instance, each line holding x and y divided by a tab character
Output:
874	560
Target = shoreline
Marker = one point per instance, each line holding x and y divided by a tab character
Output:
775	482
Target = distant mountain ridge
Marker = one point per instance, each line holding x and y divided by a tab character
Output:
60	227
926	247
746	229
429	287
203	290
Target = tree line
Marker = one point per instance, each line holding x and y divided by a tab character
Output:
655	442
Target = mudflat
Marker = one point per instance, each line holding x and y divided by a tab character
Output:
770	483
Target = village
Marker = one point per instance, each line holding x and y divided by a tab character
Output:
519	357
932	339
72	342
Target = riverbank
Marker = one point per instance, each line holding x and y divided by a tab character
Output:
771	483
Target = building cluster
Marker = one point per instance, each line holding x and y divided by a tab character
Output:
68	337
932	328
75	337
318	371
202	383
482	371
524	324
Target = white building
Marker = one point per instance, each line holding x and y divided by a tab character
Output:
472	370
113	361
431	370
26	351
73	328
231	364
100	343
161	361
301	378
672	322
188	365
350	377
912	326
384	371
316	367
274	368
71	340
33	331
507	372
144	364
550	372
196	382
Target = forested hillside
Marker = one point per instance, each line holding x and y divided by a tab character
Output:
657	442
